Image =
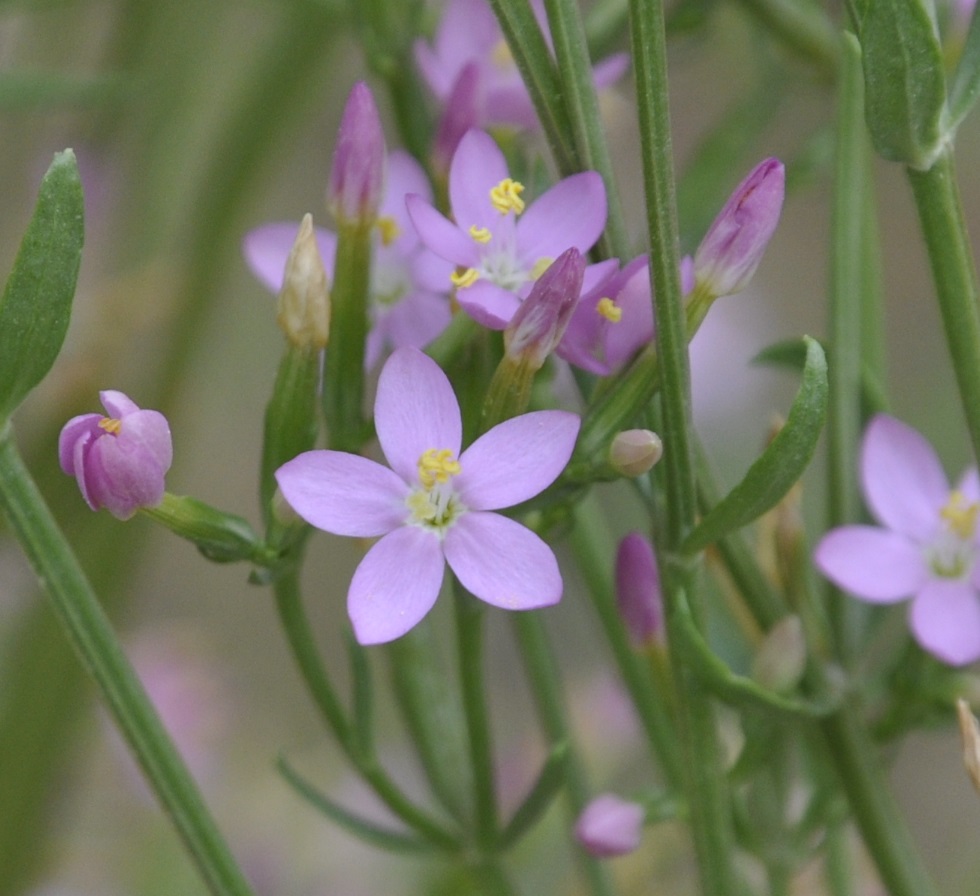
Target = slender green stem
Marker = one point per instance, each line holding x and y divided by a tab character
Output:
937	198
582	104
469	629
542	671
303	645
803	27
92	637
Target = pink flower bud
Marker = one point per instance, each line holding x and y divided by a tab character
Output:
610	826
540	322
458	116
634	451
732	248
119	460
357	176
638	589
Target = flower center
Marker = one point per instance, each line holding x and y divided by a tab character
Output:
952	552
608	309
111	425
501	55
388	229
435	504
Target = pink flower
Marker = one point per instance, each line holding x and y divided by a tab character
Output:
469	35
610	826
434	506
499	246
119	460
357	173
409	284
638	593
925	548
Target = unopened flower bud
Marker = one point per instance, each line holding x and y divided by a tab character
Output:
610	826
540	322
638	593
120	460
357	176
732	248
970	738
458	116
634	451
781	659
304	300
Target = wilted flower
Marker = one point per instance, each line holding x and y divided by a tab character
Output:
610	826
926	547
638	594
733	246
357	174
409	284
304	300
434	505
498	246
119	460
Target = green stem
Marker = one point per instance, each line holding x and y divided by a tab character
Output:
469	628
804	28
937	199
92	637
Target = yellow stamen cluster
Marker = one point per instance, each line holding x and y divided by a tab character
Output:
506	196
480	234
960	516
389	230
501	55
540	266
111	425
461	279
608	309
437	465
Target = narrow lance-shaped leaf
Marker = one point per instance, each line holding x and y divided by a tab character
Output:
965	88
36	303
779	466
905	88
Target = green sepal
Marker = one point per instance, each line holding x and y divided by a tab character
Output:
779	466
368	831
732	688
36	303
538	799
219	536
965	87
905	86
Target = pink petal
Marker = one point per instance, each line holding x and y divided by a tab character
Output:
609	70
571	214
490	305
502	562
267	247
117	404
441	235
415	411
122	474
477	167
945	619
152	431
903	481
416	320
395	585
83	426
343	493
405	175
873	564
969	485
517	459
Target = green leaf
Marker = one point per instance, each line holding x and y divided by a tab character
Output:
781	464
36	303
965	88
905	88
369	832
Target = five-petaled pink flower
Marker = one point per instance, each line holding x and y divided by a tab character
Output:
119	460
434	506
500	247
926	547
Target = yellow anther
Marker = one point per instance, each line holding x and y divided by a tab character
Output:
422	507
501	55
540	266
437	465
111	425
506	196
960	516
461	279
480	234
389	230
608	309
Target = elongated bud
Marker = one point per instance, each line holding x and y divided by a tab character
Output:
304	300
459	115
610	826
732	248
357	176
634	451
638	593
970	737
781	659
538	325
